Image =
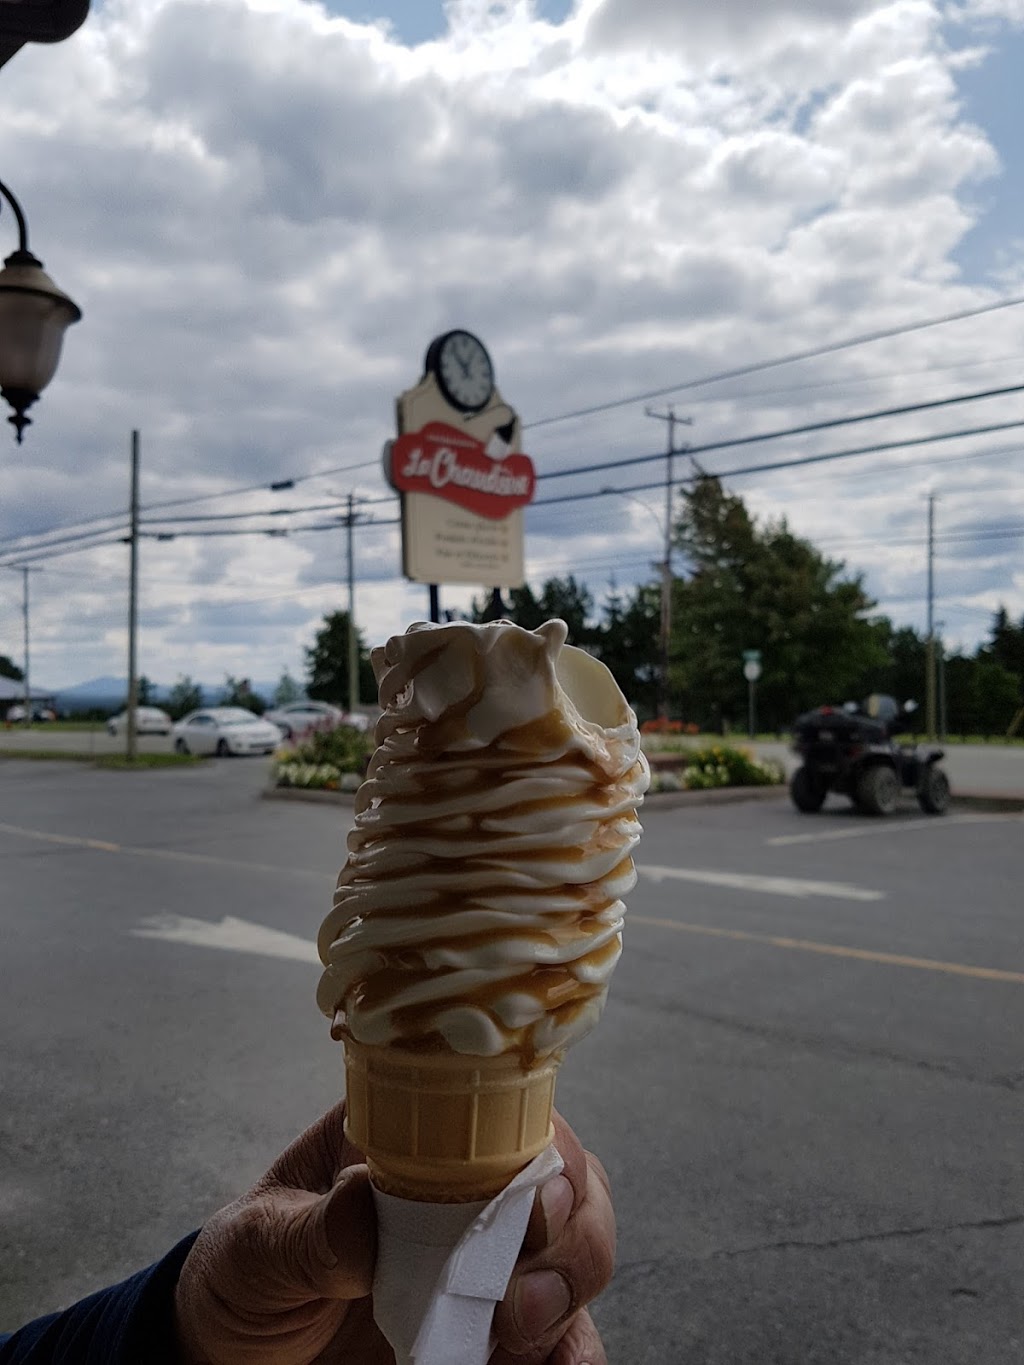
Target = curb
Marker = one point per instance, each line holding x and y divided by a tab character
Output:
995	801
715	796
273	793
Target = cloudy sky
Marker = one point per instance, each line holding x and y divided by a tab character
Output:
267	208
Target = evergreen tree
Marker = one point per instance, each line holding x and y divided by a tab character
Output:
184	696
287	690
238	692
9	669
754	587
327	664
627	642
559	597
1006	647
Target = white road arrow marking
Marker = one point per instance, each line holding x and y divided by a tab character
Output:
794	887
234	935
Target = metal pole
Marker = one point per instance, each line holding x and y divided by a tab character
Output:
353	644
665	626
24	610
133	602
751	714
930	651
666	571
435	604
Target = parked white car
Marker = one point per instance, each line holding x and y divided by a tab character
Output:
298	717
225	730
149	720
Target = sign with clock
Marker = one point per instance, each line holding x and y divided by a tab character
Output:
458	465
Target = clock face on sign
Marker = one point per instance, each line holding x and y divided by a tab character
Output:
463	370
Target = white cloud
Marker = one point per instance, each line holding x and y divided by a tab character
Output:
265	214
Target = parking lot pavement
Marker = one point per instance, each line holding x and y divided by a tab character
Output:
807	1085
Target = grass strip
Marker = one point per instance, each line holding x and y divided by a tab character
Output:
117	762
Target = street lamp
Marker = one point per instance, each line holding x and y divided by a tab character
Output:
34	315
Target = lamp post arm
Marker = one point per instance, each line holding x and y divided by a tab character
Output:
23	255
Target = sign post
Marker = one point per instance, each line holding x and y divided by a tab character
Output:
751	671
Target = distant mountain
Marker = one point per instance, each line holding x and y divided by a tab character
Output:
108	693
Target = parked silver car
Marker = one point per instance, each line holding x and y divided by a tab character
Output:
225	730
297	718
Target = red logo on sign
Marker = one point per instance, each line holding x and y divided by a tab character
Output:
448	463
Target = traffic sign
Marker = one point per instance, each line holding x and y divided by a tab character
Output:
751	670
751	656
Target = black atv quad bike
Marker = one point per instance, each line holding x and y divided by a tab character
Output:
851	750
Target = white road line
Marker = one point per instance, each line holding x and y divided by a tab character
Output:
794	887
234	935
872	829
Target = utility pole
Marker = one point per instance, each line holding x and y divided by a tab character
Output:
670	419
929	710
353	643
133	601
24	611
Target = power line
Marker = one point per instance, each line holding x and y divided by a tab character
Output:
760	366
803	430
787	464
270	512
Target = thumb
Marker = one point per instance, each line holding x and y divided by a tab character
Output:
329	1244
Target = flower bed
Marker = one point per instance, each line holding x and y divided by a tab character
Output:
712	765
325	760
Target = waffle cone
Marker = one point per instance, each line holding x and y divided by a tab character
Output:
443	1128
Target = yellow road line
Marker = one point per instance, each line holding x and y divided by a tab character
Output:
803	945
71	839
171	854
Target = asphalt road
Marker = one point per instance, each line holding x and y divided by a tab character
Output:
996	769
807	1086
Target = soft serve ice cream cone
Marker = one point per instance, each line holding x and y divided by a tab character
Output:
478	917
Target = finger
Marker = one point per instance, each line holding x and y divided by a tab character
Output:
580	1344
327	1246
553	1204
549	1287
317	1157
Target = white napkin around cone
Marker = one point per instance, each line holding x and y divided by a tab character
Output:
442	1268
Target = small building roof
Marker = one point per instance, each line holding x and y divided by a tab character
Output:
11	690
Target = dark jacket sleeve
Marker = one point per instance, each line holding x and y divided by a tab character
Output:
127	1324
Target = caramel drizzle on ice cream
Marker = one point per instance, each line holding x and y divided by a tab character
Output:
480	908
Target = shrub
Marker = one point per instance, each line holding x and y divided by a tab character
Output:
325	760
716	765
719	765
348	749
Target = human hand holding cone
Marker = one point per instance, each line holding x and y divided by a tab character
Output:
478	917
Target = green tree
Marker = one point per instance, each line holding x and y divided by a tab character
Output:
762	587
144	691
627	642
9	669
897	666
573	603
183	697
287	690
562	597
327	663
1006	647
996	697
238	692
